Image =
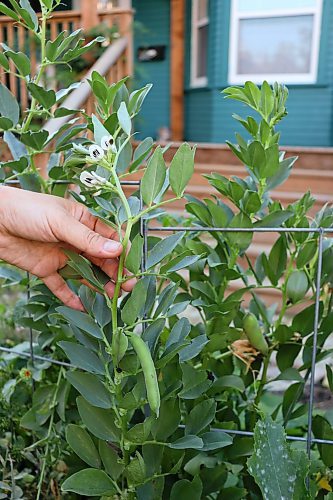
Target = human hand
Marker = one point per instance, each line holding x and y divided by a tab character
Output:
35	229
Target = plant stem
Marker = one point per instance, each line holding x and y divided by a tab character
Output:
42	472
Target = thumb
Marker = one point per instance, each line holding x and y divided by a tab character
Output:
88	241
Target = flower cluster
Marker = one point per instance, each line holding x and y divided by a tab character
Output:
97	153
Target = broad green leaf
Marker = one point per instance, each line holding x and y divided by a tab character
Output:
134	257
82	444
141	152
47	98
21	61
256	158
101	310
35	140
240	240
135	304
91	388
124	118
179	262
322	430
9	107
110	460
275	219
89	482
163	248
181	169
200	416
137	97
194	348
187	490
152	332
28	14
81	320
215	440
168	421
99	130
154	177
187	442
279	471
83	358
100	422
136	470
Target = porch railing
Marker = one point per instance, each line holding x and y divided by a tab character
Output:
20	39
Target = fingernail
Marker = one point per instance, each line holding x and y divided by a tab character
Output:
112	246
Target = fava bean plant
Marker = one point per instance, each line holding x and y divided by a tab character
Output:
155	384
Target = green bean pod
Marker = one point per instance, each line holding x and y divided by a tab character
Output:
149	372
254	334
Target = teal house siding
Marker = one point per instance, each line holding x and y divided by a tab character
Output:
152	27
207	113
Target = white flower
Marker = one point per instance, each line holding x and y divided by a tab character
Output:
96	152
108	143
91	179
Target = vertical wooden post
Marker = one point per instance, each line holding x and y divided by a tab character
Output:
89	14
177	33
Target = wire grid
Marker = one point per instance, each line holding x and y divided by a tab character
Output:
144	230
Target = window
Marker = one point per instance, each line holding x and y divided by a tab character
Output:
199	43
275	40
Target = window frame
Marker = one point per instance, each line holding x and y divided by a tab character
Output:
197	81
294	78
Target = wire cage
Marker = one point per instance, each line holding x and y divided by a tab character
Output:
145	229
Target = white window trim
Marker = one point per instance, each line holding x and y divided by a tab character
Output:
203	80
299	78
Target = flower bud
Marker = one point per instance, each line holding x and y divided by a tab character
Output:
96	152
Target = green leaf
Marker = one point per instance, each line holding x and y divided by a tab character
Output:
124	118
154	177
99	130
136	470
8	12
200	416
89	482
141	152
323	430
110	460
82	444
279	471
133	259
256	158
35	140
83	358
163	248
91	388
187	490
81	320
237	239
100	422
47	98
215	440
152	333
28	14
267	100
134	306
9	107
181	169
187	442
194	348
21	61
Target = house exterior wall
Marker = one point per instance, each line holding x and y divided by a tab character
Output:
310	106
152	27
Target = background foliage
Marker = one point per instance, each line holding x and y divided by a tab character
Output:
160	376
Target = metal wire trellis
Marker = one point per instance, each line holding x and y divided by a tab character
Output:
145	229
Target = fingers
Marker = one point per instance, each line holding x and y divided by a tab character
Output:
87	240
61	290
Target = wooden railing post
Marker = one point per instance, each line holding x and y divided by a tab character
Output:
177	69
89	14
